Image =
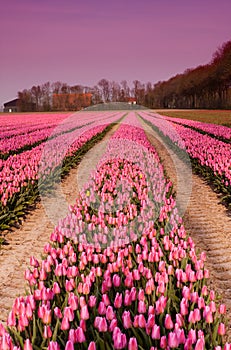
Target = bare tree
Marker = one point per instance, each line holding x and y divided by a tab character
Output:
126	89
36	93
56	87
96	95
139	92
115	91
79	89
46	96
104	85
26	101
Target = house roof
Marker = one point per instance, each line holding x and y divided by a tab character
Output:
12	103
131	99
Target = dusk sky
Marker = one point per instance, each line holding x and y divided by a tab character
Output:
80	42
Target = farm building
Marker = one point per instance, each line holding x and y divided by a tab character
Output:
131	101
12	106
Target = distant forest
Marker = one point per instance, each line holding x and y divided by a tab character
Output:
206	86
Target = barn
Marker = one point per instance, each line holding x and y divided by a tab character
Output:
12	106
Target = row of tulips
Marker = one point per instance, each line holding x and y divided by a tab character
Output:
27	138
15	143
220	131
29	174
19	170
15	124
212	156
25	123
119	271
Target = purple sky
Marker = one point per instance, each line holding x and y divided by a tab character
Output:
80	42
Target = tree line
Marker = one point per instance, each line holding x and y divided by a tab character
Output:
206	86
61	96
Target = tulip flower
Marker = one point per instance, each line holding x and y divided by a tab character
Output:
221	329
132	344
168	322
69	345
91	346
27	345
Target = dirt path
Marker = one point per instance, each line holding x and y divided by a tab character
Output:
35	232
205	219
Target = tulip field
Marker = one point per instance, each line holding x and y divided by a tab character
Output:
119	271
208	146
19	172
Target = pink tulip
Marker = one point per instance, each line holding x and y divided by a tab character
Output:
58	312
91	346
141	321
128	282
227	346
127	323
79	335
118	300
120	340
11	321
47	316
65	324
128	298
142	307
106	299
56	288
209	317
200	344
192	336
34	262
27	345
221	329
183	307
180	336
201	303
168	322
102	326
69	345
47	332
222	309
73	301
69	313
53	346
84	314
116	280
110	315
113	325
72	336
155	332
151	321
43	275
102	308
163	342
132	344
92	301
141	295
172	340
